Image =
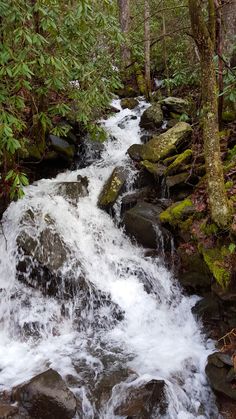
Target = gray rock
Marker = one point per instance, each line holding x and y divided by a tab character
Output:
221	376
143	401
72	191
62	147
46	396
142	223
152	117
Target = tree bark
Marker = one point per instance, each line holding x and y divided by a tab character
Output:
204	35
147	46
124	16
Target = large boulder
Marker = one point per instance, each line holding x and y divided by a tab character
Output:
46	396
113	188
221	374
142	223
8	411
163	145
152	117
143	401
175	105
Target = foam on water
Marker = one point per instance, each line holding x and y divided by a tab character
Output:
157	335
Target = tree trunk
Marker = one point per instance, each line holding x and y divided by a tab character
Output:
124	16
147	43
204	36
219	49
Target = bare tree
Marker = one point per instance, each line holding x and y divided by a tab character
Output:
147	45
124	16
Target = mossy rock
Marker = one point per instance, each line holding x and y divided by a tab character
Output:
155	169
62	147
229	116
163	145
113	188
152	117
177	212
126	92
129	103
215	260
178	164
175	105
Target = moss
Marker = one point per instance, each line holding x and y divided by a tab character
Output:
214	258
209	229
229	185
229	116
178	163
111	192
231	153
177	212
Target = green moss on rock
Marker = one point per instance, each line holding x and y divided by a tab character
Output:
178	164
177	212
214	258
112	188
163	145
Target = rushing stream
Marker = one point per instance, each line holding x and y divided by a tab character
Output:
131	323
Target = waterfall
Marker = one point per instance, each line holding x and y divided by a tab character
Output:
126	320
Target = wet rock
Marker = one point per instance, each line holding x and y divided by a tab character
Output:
129	103
208	309
46	396
221	375
48	249
143	401
113	188
131	199
89	152
123	123
142	223
72	191
62	147
152	117
8	411
163	145
193	274
175	105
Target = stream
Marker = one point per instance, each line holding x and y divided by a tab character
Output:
128	323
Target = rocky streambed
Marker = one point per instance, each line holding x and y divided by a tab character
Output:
94	323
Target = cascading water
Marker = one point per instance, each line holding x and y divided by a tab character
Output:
129	319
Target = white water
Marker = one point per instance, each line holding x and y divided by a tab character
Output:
158	336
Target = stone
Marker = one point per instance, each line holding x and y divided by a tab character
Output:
142	223
72	191
131	199
8	412
156	169
177	212
152	117
163	145
220	375
46	396
112	188
143	401
179	179
62	147
178	165
193	273
208	309
129	103
175	105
